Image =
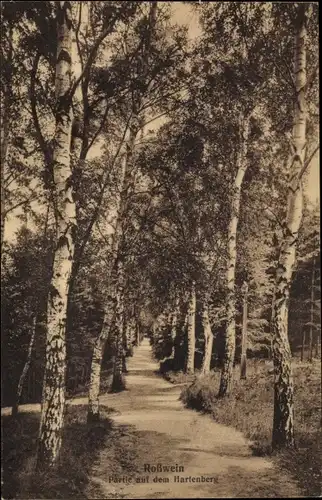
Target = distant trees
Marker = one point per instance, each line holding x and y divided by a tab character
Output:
305	306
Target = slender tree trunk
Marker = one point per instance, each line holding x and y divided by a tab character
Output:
312	313
283	423
130	335
175	334
4	134
126	184
77	148
317	345
230	334
209	339
125	346
25	370
96	364
303	344
98	351
118	383
4	130
174	320
243	361
109	311
95	379
190	367
53	399
137	332
4	139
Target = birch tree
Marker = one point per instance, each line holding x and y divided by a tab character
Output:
209	338
191	330
283	422
24	372
145	90
230	336
53	399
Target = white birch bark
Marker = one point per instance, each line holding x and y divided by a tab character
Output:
98	351
24	372
209	339
243	360
53	399
4	136
97	357
118	383
230	334
283	422
191	330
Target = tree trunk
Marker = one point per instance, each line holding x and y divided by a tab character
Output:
175	334
137	333
128	182
317	345
190	367
77	146
118	383
109	310
174	320
53	399
283	423
303	344
96	364
125	347
100	342
25	370
312	313
130	335
243	361
4	148
5	128
209	338
230	334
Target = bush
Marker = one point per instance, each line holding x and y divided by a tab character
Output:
201	395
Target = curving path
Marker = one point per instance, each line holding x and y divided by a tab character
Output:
174	436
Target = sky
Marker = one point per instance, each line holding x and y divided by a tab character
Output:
183	14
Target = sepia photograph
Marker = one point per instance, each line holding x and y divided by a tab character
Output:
160	250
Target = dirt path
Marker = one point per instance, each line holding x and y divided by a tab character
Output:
208	460
212	460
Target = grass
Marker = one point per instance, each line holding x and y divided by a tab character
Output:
250	409
80	455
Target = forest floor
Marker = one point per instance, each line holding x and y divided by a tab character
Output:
148	425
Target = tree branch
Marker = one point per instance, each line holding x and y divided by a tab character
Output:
308	161
19	204
92	56
99	130
32	96
311	78
94	217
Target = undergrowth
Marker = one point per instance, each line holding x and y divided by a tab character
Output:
250	409
82	445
